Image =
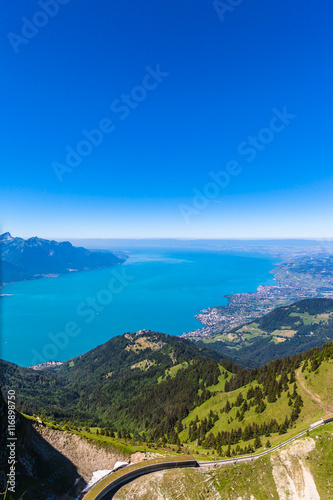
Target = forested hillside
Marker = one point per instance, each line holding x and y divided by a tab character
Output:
285	331
149	387
111	382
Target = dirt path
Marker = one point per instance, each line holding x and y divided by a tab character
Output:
314	397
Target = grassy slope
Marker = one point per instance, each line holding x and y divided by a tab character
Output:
279	410
172	372
197	484
222	380
235	481
311	412
102	386
320	383
321	460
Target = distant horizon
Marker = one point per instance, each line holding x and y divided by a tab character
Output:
145	120
170	238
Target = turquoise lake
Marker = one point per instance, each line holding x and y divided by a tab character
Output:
156	289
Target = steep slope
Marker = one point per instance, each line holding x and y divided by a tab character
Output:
149	387
87	456
302	470
258	409
116	383
37	258
40	470
285	331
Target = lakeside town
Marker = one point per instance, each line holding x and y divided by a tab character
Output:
303	273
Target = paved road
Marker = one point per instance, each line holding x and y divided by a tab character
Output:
250	458
237	460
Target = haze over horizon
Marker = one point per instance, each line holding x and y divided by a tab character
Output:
167	120
322	244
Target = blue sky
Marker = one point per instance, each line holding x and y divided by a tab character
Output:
196	88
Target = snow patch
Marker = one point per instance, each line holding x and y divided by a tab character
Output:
97	476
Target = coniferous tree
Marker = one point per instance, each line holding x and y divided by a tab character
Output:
257	442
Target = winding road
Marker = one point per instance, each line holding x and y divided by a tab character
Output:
105	489
106	493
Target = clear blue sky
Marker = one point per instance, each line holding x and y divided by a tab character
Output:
222	75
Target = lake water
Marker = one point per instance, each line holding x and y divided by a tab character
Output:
156	289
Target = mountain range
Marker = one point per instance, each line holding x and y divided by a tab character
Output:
38	258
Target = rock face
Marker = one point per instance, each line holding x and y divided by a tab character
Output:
137	457
292	476
86	456
37	258
50	464
40	470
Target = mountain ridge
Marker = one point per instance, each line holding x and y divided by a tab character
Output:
143	380
35	258
126	365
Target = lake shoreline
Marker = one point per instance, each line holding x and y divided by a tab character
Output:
178	281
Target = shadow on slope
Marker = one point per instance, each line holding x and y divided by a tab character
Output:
41	471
